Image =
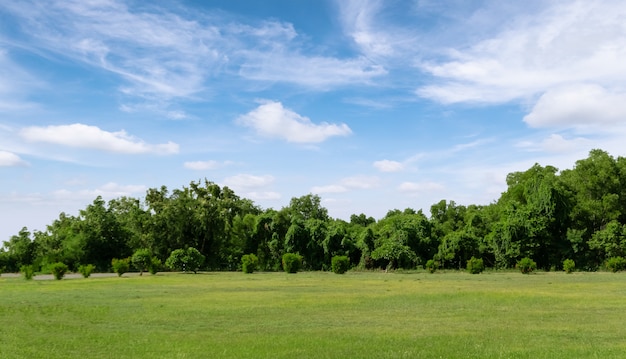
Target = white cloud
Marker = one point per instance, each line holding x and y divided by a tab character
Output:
416	187
202	165
248	181
582	106
348	183
568	42
252	187
364	22
15	82
556	143
271	119
388	166
361	182
333	188
165	55
85	136
260	196
107	191
9	159
158	53
321	72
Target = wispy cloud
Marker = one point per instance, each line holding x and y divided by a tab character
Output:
388	166
252	186
347	184
9	159
418	187
15	83
91	137
158	53
108	191
273	120
248	181
377	39
166	55
579	42
205	165
321	72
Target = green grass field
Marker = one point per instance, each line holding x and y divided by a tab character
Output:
316	315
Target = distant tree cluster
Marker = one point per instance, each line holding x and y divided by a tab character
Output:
547	216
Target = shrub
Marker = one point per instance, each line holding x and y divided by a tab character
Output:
58	270
292	262
27	271
189	259
86	270
155	265
340	264
475	265
431	266
616	264
249	263
120	266
569	266
141	259
526	265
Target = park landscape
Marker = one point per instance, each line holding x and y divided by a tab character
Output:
203	273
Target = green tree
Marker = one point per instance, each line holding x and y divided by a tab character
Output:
21	251
103	236
189	259
141	259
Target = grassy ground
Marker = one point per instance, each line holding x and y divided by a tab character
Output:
316	315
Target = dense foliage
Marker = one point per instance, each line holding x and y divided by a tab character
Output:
340	264
249	263
475	265
292	262
544	215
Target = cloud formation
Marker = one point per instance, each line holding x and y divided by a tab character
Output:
347	184
272	120
84	136
388	166
253	187
579	41
417	187
581	106
9	159
201	165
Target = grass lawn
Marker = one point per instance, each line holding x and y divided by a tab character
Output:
316	315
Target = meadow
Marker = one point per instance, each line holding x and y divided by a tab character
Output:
316	315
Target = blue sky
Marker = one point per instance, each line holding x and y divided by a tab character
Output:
373	105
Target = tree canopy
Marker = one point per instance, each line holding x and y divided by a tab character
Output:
546	215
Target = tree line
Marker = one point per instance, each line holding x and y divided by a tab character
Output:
547	215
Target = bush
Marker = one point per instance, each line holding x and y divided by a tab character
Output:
569	266
86	270
340	264
249	263
431	266
616	264
526	265
155	265
189	259
58	270
27	271
141	259
292	262
120	266
475	265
